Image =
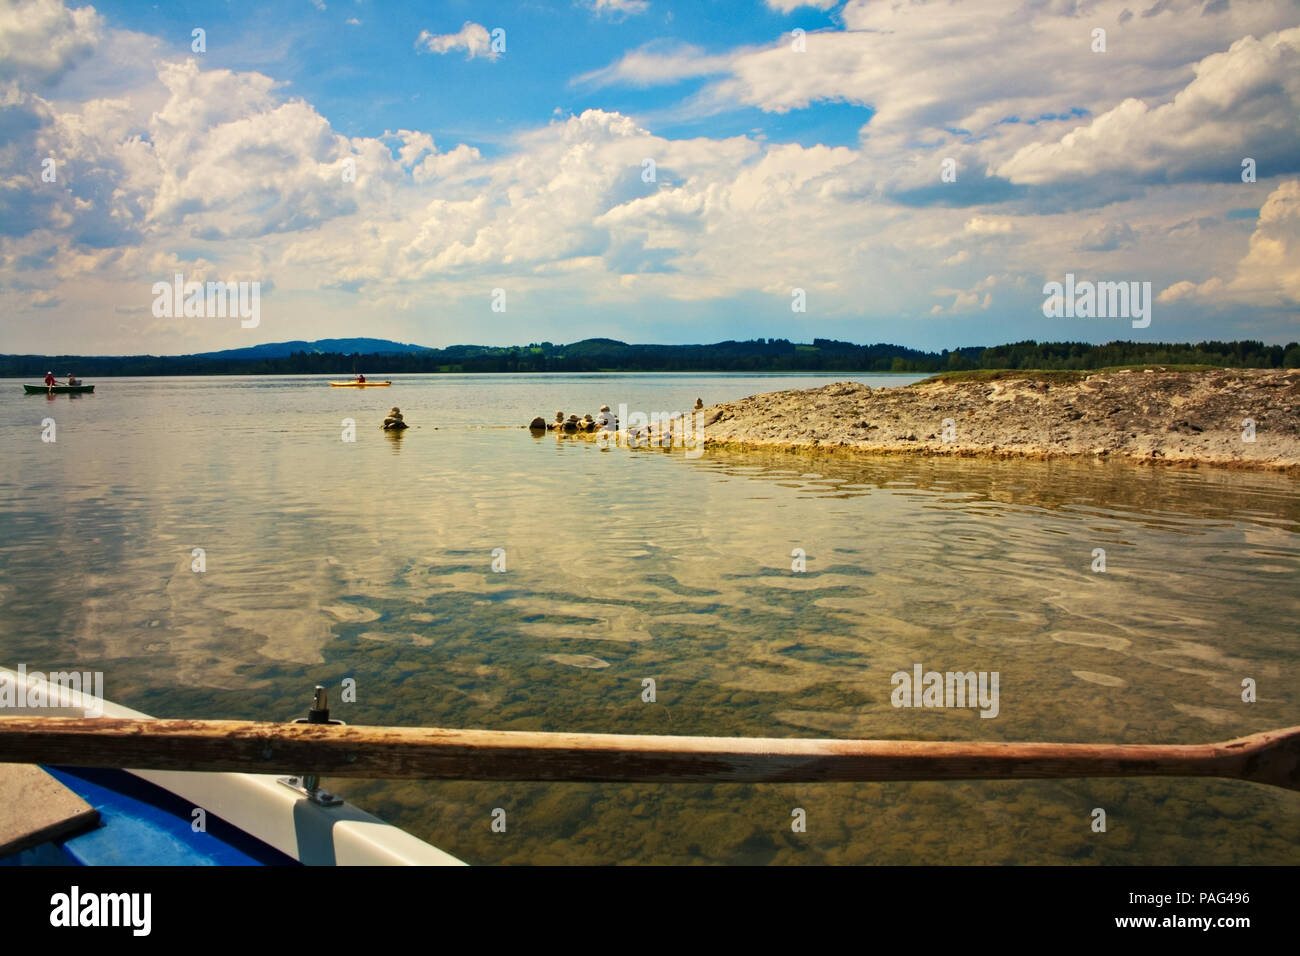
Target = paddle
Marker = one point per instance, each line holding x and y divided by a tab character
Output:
1271	757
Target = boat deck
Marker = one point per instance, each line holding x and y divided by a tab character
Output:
36	808
142	824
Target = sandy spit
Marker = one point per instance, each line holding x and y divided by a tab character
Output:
1155	416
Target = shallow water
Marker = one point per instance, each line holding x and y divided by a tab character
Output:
372	559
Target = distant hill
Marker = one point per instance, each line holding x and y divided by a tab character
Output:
319	347
342	357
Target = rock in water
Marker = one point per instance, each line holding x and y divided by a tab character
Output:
394	423
585	661
538	424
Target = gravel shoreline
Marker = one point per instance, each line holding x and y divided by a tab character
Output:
1151	416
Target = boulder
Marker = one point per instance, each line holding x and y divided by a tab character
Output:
394	423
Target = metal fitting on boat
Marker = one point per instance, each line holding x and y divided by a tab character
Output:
320	707
308	784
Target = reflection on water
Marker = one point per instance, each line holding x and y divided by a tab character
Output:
373	559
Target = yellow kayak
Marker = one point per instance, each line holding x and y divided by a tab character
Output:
359	384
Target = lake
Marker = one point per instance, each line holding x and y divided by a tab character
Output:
372	559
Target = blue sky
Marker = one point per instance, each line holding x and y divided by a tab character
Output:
368	76
781	164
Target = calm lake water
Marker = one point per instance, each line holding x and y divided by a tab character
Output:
371	559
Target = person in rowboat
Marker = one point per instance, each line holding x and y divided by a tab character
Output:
50	379
72	380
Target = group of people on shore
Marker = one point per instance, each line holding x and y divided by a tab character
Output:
51	380
605	420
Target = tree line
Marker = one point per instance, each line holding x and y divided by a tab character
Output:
607	355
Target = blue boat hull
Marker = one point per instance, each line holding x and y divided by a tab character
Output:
142	824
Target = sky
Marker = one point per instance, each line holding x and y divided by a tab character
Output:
916	173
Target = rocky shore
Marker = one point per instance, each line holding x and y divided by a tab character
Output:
1148	416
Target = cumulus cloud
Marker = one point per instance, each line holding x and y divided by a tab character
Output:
978	297
1242	102
973	66
246	179
226	145
1107	238
473	38
40	40
1270	272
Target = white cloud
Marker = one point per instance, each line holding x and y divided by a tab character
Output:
1243	101
235	161
1270	272
472	37
656	64
982	226
966	300
619	7
789	6
1108	237
230	167
40	40
1008	74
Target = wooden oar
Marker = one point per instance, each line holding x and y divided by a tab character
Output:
1272	757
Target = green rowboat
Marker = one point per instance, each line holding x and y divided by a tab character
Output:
56	389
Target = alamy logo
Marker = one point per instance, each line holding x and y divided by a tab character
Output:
75	908
656	429
953	689
36	691
216	300
1098	300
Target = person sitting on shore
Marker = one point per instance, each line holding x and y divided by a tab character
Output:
606	419
361	379
699	403
50	379
394	422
